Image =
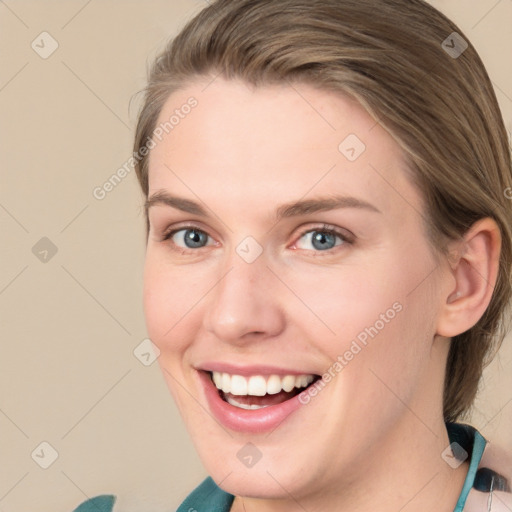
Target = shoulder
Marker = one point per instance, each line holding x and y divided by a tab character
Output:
103	503
207	496
488	482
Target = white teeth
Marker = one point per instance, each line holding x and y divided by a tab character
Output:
274	384
217	380
234	402
289	382
257	385
226	383
240	384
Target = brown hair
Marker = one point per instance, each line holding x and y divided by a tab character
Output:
402	62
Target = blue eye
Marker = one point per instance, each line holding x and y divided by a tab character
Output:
192	238
323	239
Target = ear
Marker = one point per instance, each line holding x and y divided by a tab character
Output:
475	270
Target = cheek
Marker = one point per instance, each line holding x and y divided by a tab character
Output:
377	315
394	340
344	302
169	314
169	297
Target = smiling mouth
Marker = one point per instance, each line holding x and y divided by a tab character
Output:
258	391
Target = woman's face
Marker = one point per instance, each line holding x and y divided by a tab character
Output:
286	239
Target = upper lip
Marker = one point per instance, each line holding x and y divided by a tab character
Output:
249	370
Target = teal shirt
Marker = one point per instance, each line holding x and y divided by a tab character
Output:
208	497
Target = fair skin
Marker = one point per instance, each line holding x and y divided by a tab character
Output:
242	153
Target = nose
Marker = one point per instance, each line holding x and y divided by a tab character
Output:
244	304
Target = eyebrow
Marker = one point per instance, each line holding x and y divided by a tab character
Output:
292	209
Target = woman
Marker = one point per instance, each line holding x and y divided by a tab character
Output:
329	253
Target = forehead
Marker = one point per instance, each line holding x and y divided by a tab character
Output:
275	143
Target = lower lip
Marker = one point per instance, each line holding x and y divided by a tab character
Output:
242	420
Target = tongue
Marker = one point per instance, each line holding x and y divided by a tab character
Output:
267	399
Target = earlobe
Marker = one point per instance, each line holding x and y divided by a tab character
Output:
475	272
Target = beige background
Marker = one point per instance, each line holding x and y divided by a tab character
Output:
68	374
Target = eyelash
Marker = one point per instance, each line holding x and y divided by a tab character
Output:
325	228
